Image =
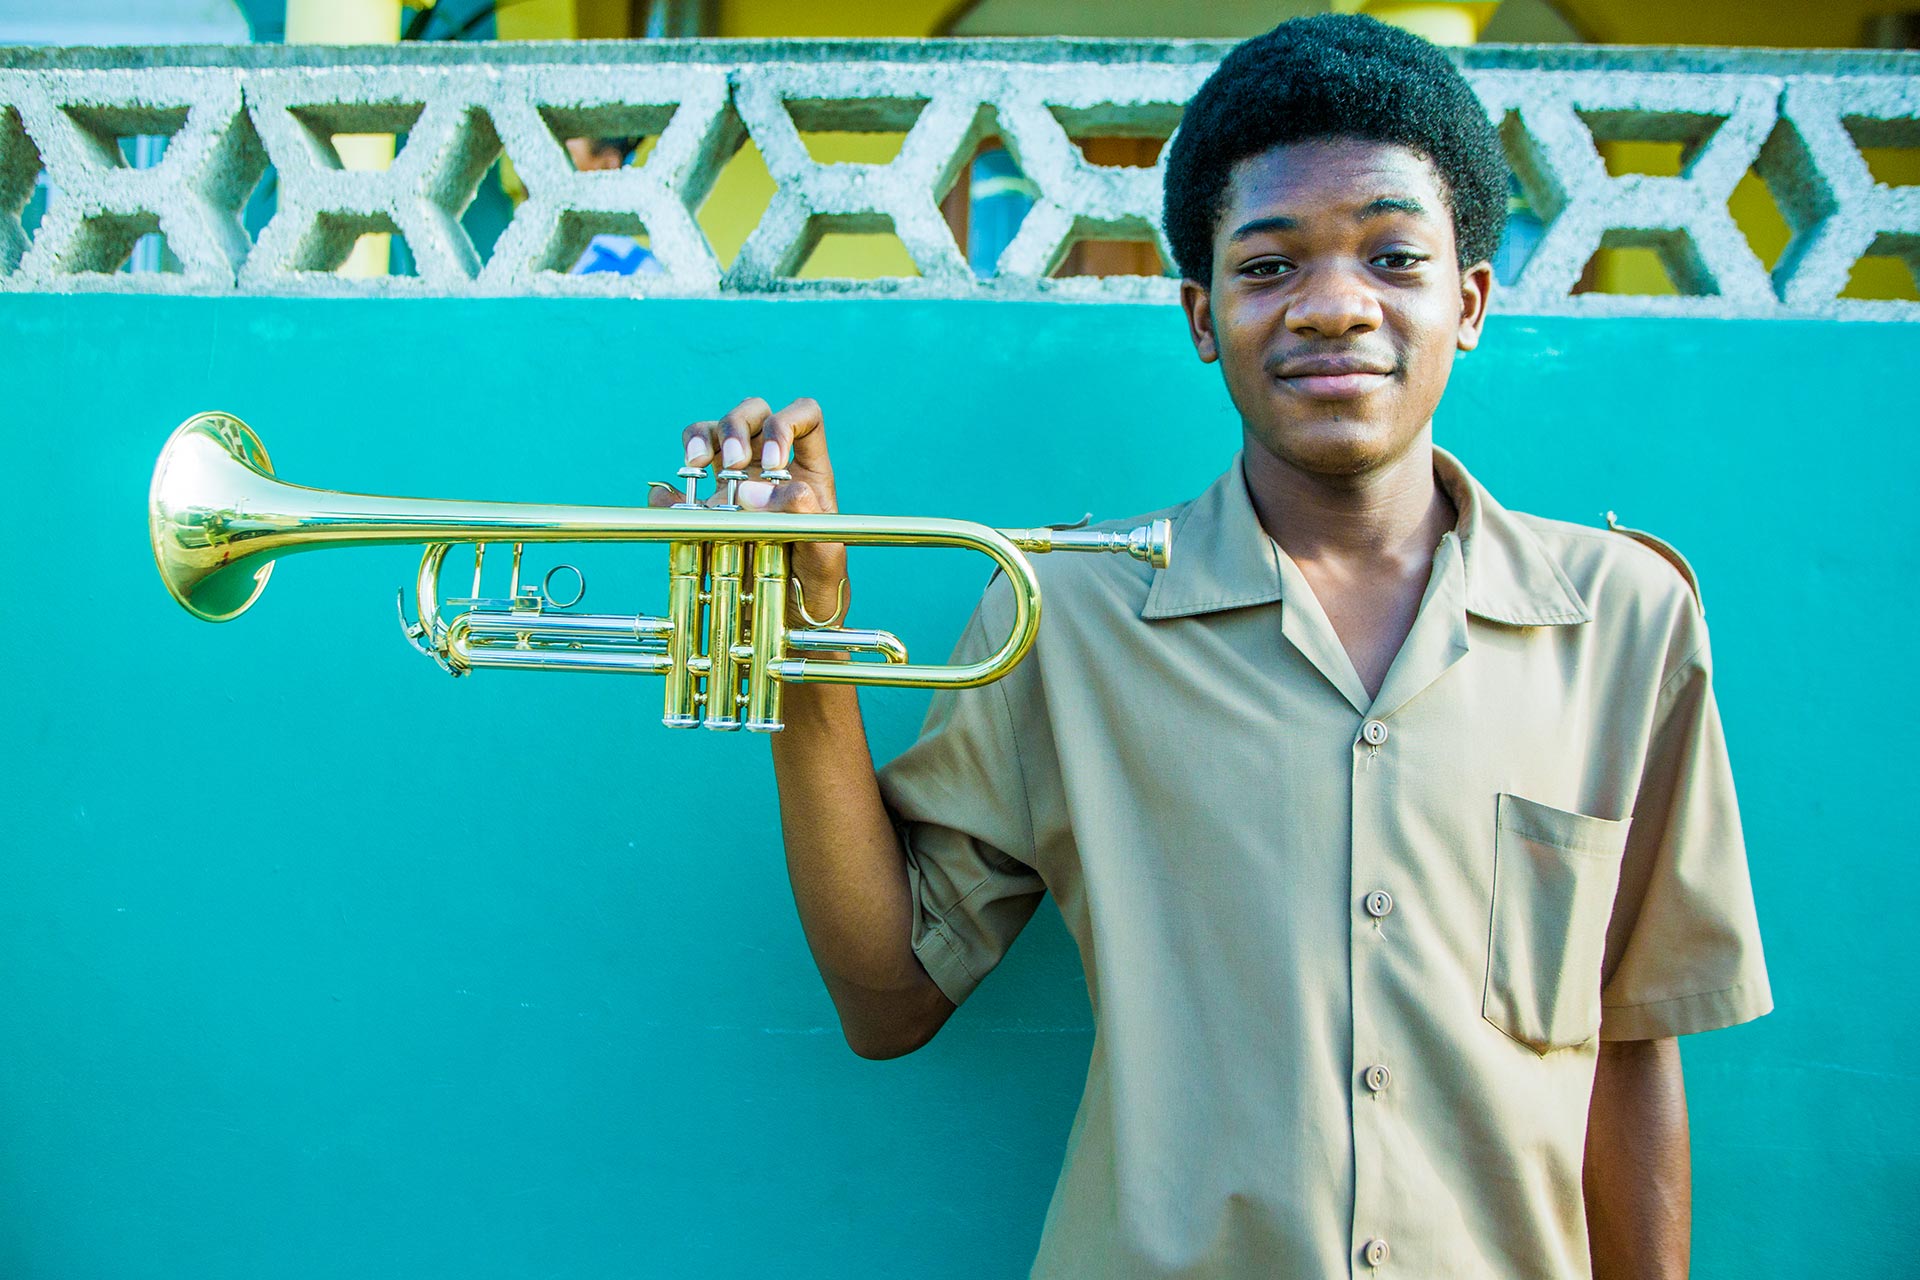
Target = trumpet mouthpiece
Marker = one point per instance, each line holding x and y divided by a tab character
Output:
1153	543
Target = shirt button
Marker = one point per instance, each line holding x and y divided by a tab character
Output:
1379	903
1377	1253
1373	732
1377	1078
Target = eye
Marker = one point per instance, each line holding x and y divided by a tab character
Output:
1265	268
1399	259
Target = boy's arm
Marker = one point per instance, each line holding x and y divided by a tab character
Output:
1638	1177
848	869
849	876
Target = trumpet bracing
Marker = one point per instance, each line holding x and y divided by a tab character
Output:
218	520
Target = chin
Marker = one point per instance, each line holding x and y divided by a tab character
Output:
1335	448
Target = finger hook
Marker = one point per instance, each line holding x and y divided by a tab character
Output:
832	620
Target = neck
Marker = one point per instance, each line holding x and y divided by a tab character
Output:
1395	512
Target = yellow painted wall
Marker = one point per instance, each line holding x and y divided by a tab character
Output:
353	22
564	20
343	21
823	19
1436	20
1796	24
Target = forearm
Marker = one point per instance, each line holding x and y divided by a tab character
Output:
1638	1178
849	875
848	870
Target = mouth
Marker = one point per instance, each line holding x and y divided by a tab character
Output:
1334	386
1331	377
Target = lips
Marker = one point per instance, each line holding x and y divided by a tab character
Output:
1333	377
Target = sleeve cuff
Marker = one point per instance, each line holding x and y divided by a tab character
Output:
1687	1015
943	963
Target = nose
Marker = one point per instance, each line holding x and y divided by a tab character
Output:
1332	302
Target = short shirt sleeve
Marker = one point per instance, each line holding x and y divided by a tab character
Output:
1683	949
959	800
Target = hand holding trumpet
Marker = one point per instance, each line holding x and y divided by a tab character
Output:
784	456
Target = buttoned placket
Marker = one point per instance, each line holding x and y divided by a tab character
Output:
1492	567
1436	641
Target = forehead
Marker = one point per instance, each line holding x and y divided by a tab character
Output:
1328	175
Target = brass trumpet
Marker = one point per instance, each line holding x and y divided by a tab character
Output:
218	520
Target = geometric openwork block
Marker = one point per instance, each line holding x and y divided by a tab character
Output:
1837	211
1552	133
73	126
1798	119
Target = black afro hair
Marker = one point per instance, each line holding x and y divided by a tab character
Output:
1334	76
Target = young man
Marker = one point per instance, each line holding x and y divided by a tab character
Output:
1395	828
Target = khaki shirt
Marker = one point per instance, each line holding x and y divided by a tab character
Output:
1349	957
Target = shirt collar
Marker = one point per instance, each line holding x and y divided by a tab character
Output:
1223	558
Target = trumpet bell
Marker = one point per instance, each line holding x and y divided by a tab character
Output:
201	478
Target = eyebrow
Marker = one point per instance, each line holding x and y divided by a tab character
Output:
1392	204
1373	209
1258	225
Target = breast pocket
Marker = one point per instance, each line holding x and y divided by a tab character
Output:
1554	877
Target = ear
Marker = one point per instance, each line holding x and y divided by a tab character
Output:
1476	288
1199	308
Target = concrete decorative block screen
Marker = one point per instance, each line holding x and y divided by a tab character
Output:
1801	121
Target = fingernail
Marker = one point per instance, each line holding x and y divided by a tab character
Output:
770	456
733	452
755	493
698	451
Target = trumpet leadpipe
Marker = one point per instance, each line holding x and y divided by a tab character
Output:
1151	543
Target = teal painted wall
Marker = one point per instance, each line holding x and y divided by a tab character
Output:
316	963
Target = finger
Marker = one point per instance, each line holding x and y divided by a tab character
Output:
737	428
782	433
699	441
795	495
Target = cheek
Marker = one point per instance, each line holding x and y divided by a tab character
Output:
1433	331
1244	330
